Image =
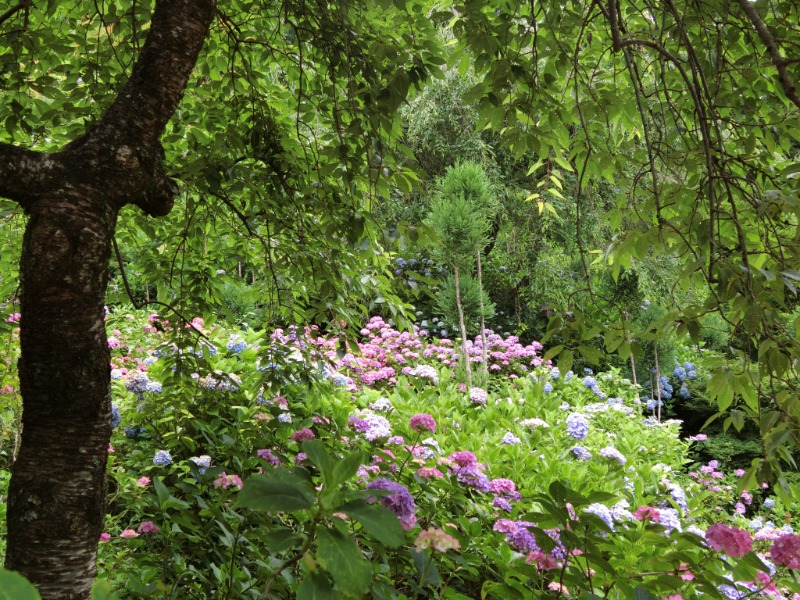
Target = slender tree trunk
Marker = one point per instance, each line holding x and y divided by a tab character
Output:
464	350
483	320
57	492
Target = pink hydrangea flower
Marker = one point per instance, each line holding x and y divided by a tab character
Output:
302	434
105	537
143	481
430	473
423	421
437	539
733	541
128	534
643	513
225	481
148	527
786	551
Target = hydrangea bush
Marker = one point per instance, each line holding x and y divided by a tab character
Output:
266	464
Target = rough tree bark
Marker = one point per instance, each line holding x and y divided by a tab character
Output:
57	491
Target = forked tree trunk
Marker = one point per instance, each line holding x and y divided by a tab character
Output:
57	492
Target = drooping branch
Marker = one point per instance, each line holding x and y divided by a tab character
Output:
771	44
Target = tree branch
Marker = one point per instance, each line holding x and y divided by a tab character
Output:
155	88
772	48
25	173
13	10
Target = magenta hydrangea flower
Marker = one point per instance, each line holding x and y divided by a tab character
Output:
302	434
503	487
463	458
733	541
786	551
423	421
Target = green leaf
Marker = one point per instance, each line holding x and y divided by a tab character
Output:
640	593
340	557
426	568
282	540
14	586
280	491
315	587
378	521
161	491
346	468
317	454
102	590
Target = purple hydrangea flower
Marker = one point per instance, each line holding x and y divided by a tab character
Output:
400	501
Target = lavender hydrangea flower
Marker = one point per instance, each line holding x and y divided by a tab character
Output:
509	439
581	453
577	426
425	372
478	396
613	453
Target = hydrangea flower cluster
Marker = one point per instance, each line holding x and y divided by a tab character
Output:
437	539
733	541
614	454
162	458
581	453
786	551
478	396
577	426
373	427
422	421
400	501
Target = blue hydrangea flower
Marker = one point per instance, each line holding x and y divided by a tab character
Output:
678	495
589	382
602	511
669	519
569	375
577	426
162	458
509	439
236	344
133	433
154	387
756	524
555	373
116	417
548	387
684	392
116	374
581	453
769	503
285	417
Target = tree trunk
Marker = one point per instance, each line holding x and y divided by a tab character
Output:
464	350
57	491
